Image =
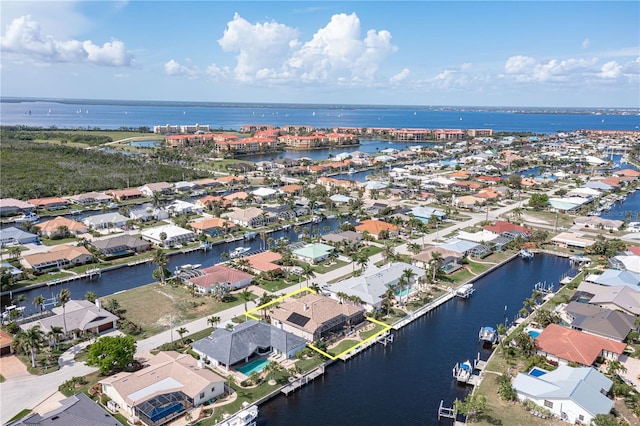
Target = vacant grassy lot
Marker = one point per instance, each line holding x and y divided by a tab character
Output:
152	306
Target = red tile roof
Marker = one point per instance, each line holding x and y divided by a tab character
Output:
574	345
501	226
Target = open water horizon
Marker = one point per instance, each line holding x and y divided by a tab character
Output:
112	115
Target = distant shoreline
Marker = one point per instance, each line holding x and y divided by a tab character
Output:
196	104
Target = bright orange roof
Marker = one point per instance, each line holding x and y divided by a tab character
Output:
574	345
375	226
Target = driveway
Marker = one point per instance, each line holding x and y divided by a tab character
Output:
11	368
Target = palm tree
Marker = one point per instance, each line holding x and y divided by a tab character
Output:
414	248
307	272
54	334
63	298
245	295
271	369
388	253
30	340
389	295
434	263
38	302
182	331
264	300
213	321
362	260
342	296
408	275
159	258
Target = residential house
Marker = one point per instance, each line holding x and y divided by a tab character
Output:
106	221
239	198
596	222
59	225
449	260
616	298
16	236
314	317
169	385
156	188
125	194
229	348
575	395
347	238
615	277
292	189
11	206
267	261
598	321
76	409
213	226
468	248
264	193
90	198
502	227
251	217
6	342
313	253
52	203
120	245
146	212
372	285
174	235
571	240
216	275
57	257
178	207
626	262
80	316
564	345
426	213
378	228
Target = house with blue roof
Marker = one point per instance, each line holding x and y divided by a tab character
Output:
575	395
425	213
617	277
13	235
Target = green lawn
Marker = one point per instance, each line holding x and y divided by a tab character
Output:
273	286
366	334
50	242
323	268
343	346
371	250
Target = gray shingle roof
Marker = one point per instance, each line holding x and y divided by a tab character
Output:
603	322
231	346
76	410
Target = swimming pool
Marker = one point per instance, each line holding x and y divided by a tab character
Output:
537	372
404	292
533	333
256	365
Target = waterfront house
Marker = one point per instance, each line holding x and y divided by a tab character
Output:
120	245
169	385
615	277
147	212
598	321
564	345
596	222
7	268
16	236
373	283
291	189
80	316
626	262
184	187
11	206
264	193
78	409
178	207
571	240
450	260
90	198
125	194
575	395
213	226
52	203
57	257
230	180
251	217
502	227
313	253
106	221
346	238
216	275
314	317
6	342
160	188
378	228
175	235
616	298
239	198
60	225
267	261
468	248
230	348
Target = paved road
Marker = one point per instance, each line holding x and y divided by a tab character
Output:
29	392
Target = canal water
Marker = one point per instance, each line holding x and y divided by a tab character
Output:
134	276
403	383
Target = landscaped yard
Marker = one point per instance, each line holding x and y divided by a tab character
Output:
323	268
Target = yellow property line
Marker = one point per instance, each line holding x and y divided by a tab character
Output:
385	327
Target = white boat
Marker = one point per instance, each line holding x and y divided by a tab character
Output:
316	219
465	291
188	267
351	171
27	217
238	251
6	315
463	371
245	417
526	254
488	335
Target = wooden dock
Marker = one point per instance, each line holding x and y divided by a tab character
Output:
298	383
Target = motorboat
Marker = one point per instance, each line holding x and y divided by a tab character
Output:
188	267
238	251
463	371
465	291
245	417
27	217
488	335
526	254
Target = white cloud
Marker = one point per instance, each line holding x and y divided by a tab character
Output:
527	69
262	48
24	38
173	67
586	43
401	76
337	52
610	70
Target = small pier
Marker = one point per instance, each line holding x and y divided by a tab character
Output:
446	412
385	338
298	383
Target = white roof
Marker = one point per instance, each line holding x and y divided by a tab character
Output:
172	231
483	236
264	192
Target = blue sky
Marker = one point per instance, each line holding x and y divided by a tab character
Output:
573	54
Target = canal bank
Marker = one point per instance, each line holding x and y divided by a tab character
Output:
410	376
